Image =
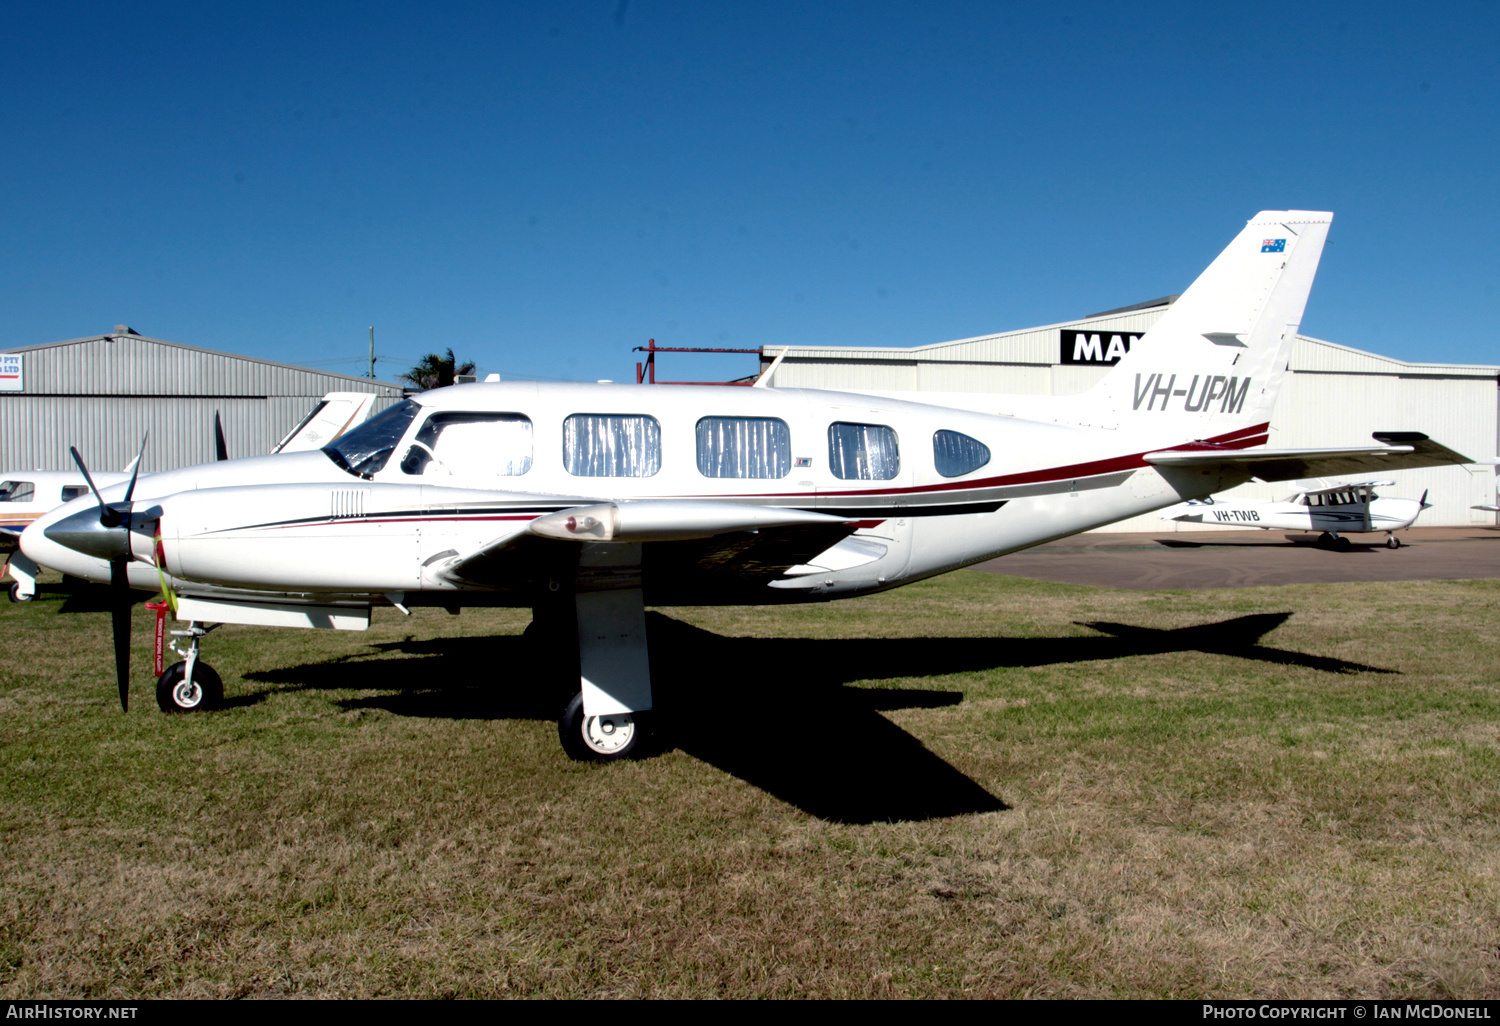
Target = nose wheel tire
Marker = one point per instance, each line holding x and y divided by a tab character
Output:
176	694
1393	542
16	596
598	738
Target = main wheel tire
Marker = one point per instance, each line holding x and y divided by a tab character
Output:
1343	544
16	596
1325	541
204	692
599	738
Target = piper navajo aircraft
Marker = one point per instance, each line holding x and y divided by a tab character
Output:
27	494
1335	510
588	502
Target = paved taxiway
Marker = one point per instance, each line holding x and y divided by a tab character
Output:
1245	559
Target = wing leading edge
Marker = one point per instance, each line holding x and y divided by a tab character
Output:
717	539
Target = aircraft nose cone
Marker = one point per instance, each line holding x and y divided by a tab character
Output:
82	532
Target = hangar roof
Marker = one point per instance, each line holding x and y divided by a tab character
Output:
125	362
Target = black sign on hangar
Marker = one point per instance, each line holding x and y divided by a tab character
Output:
1096	347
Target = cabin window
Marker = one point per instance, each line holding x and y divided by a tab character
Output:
863	452
16	491
744	447
956	455
365	450
71	492
611	445
464	444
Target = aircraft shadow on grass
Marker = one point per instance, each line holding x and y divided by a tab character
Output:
776	712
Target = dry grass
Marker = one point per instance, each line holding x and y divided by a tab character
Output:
954	789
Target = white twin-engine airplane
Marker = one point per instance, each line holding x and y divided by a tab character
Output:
589	502
1334	510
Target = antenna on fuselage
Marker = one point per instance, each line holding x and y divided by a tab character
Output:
764	381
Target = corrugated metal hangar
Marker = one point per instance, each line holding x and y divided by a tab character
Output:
1335	396
103	393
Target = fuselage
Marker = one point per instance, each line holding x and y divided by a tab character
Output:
931	488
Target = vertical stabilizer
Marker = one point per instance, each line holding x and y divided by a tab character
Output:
1211	367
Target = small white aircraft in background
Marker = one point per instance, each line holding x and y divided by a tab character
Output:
588	502
27	494
1335	510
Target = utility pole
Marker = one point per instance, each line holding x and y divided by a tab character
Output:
371	375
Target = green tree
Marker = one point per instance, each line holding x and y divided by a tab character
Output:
434	371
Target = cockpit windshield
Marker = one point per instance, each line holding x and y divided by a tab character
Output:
364	450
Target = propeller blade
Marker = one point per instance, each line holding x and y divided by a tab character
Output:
136	472
119	622
1423	500
107	516
221	448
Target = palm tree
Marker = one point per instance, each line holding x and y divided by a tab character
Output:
434	371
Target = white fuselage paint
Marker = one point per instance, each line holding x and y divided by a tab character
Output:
297	523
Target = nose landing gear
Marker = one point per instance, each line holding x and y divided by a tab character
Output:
191	685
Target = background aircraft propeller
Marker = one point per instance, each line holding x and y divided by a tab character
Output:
221	448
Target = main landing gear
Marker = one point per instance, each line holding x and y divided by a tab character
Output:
589	629
1338	543
191	685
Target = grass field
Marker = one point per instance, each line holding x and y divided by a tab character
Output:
977	785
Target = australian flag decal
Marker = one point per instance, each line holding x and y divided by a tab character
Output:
1273	246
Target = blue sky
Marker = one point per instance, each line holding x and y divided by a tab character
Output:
543	186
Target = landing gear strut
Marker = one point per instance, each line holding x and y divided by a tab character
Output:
598	612
191	685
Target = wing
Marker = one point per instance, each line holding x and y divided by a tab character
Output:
1402	450
689	548
1343	486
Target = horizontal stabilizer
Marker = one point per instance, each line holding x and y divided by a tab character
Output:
1405	450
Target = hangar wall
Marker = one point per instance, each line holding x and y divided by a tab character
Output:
1334	395
104	392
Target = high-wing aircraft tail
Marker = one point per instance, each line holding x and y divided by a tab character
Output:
1214	362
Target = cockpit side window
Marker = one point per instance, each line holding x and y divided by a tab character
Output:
471	443
71	492
955	454
364	451
863	452
16	491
